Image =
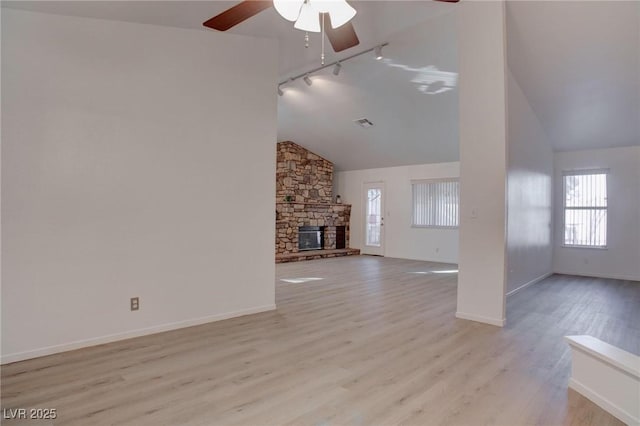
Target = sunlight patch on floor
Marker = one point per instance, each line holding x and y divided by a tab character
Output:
443	271
300	280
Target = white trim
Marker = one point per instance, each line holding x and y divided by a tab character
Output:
611	355
527	284
598	275
607	375
603	403
78	344
478	318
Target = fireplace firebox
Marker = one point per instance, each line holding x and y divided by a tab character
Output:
310	238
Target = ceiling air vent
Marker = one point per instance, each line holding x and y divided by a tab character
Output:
363	122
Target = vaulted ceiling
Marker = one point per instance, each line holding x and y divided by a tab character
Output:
410	96
413	121
578	63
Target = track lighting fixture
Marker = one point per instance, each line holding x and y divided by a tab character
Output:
336	68
378	53
307	80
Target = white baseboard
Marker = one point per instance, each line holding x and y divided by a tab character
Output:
603	403
598	275
533	281
478	318
78	344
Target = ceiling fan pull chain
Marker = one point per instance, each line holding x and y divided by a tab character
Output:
306	39
322	54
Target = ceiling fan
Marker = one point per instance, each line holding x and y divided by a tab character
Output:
308	15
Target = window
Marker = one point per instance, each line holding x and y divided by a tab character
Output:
585	208
435	203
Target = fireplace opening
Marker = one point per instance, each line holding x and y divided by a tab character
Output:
310	238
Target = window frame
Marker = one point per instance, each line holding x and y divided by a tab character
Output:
583	172
431	181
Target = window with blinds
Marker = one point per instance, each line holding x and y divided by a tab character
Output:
585	208
436	203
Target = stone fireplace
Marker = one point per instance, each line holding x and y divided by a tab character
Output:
309	224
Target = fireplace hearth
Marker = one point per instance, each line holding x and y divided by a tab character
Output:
310	238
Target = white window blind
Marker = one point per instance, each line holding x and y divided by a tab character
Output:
585	208
436	203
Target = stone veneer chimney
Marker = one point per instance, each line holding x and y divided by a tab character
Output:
304	197
302	175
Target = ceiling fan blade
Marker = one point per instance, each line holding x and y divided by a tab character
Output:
238	13
341	38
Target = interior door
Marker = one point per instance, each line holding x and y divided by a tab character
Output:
373	219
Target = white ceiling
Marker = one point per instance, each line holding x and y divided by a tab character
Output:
578	63
410	126
374	21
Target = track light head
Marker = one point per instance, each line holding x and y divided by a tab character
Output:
336	68
280	92
307	80
378	53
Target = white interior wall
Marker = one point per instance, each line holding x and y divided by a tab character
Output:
621	258
401	240
1	186
529	183
483	161
128	170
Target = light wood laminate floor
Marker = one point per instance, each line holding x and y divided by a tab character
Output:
369	344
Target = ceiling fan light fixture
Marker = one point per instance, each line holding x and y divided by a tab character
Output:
308	19
340	12
288	9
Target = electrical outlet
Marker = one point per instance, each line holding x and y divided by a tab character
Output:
135	303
